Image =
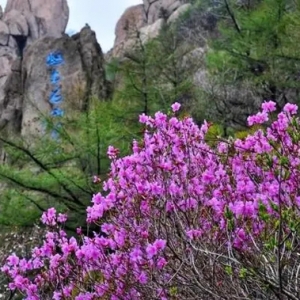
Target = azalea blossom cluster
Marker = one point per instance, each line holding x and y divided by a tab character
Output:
165	206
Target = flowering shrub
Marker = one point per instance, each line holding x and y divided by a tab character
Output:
182	220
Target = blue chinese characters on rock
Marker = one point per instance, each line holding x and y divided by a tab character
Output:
53	61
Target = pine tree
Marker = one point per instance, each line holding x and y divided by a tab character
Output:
258	44
46	172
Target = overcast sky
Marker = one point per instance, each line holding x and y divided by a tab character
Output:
101	15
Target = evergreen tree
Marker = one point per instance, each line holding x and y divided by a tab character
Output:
156	73
258	44
45	172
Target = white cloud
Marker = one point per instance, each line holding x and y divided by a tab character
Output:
101	15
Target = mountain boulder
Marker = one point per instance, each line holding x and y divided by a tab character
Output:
4	33
82	71
16	23
29	31
157	9
151	31
127	28
142	22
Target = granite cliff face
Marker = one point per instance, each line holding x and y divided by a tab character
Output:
126	28
82	69
38	17
29	31
144	21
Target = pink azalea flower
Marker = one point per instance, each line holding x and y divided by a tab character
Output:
268	106
290	108
175	106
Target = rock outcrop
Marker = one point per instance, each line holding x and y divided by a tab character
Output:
142	22
82	69
16	23
156	9
29	31
180	10
51	17
4	33
151	31
127	28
